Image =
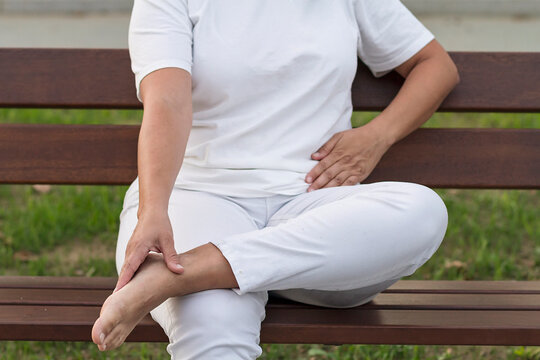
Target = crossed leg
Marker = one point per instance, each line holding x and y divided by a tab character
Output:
320	244
206	324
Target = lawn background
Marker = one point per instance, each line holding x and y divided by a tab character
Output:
71	231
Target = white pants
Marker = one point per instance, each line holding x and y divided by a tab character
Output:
336	247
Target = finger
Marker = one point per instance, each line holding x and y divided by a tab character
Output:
320	168
170	256
339	179
327	147
351	180
130	266
327	176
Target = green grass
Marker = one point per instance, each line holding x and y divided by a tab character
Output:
71	230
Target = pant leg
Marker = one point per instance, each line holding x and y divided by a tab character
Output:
340	238
335	299
215	324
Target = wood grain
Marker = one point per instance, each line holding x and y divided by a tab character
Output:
102	78
107	154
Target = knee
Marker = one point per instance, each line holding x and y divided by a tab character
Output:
426	210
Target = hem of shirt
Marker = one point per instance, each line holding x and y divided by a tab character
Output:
241	192
384	68
166	63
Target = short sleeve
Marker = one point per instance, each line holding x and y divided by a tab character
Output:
160	35
389	34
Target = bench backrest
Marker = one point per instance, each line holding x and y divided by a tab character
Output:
106	154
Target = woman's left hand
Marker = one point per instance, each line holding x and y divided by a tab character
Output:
347	158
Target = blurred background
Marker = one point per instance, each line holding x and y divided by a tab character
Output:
460	25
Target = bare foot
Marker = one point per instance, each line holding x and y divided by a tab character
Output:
152	284
124	309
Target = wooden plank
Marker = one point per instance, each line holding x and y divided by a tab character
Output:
502	302
84	297
68	154
402	286
57	282
309	325
75	78
67	78
465	286
490	82
52	297
107	154
429	327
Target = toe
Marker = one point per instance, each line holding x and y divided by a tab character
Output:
116	337
96	332
102	327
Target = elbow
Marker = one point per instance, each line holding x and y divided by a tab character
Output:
454	75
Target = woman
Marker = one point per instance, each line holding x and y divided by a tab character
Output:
249	170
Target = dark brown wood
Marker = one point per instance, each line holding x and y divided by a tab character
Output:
448	312
466	286
464	158
490	82
107	154
102	78
413	301
68	154
57	282
309	324
70	78
402	286
350	326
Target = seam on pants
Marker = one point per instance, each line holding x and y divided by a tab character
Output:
242	209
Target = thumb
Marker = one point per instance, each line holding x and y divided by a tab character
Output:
327	147
171	257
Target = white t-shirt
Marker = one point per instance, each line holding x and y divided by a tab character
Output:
271	79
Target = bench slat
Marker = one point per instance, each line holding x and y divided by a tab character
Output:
465	286
107	154
402	286
55	297
490	82
304	325
75	78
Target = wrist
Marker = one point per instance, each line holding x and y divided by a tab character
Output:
152	210
381	131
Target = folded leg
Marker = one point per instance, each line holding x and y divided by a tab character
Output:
212	324
340	238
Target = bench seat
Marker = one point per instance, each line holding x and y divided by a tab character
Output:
409	312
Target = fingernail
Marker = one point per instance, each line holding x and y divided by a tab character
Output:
310	190
309	179
316	154
101	338
104	347
178	266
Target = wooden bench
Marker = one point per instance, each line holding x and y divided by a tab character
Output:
410	312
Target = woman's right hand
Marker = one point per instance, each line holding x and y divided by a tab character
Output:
153	232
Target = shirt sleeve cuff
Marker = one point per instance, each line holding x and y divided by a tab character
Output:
407	53
176	63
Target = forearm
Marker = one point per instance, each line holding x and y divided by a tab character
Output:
426	85
162	143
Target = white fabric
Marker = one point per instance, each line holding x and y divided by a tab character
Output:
345	244
271	79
